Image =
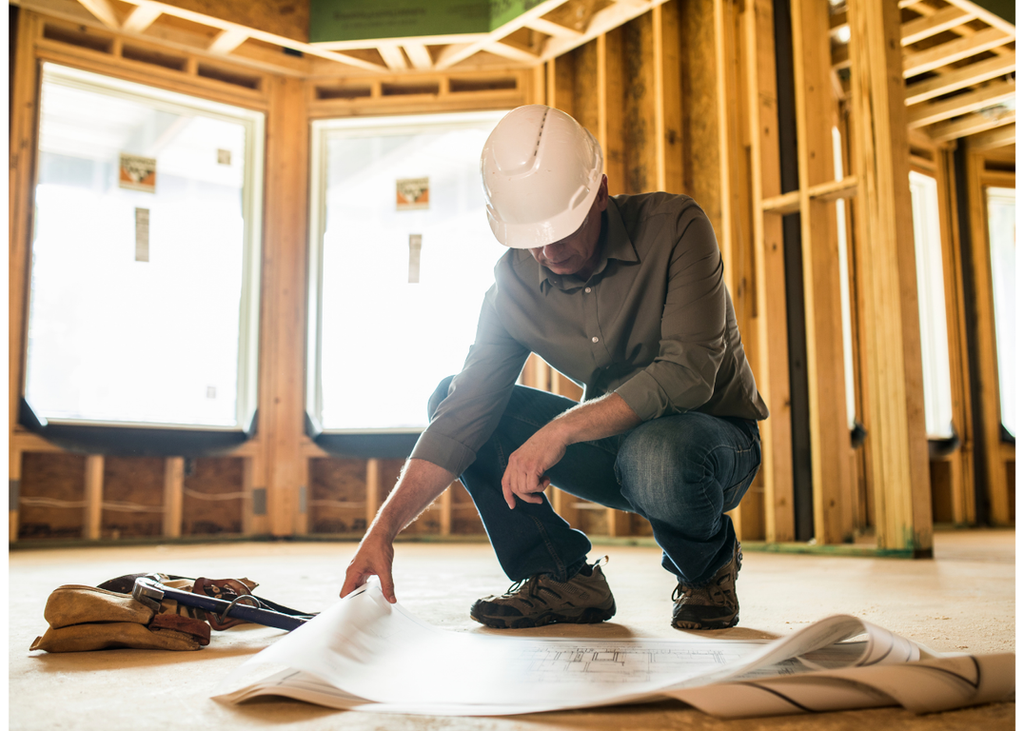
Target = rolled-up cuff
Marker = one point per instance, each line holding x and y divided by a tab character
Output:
644	395
443	451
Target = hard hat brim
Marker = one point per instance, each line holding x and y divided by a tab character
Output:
542	233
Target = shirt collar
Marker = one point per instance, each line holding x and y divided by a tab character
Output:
614	243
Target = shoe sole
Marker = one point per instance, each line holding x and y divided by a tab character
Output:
713	624
591	615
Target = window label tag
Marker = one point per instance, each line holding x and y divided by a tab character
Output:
141	234
415	244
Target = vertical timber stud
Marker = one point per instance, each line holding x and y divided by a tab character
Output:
671	93
254	506
769	272
283	302
372	490
93	518
893	382
174	484
14	494
985	326
23	115
302	499
830	436
961	473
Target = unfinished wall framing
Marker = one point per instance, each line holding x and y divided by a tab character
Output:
634	73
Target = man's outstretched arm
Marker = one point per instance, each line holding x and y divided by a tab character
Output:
420	484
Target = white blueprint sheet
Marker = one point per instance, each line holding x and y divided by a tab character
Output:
366	654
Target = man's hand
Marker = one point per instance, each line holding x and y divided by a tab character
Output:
373	558
525	475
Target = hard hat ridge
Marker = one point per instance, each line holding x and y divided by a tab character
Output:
541	173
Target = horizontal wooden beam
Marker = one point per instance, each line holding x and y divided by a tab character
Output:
921	115
947	53
970	75
927	26
782	204
970	125
987	15
834	190
997	137
604	20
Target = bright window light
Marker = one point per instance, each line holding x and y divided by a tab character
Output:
931	297
403	255
1002	241
142	305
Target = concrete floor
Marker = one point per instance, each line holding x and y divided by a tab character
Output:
963	600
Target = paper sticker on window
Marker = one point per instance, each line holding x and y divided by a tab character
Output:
223	157
412	194
415	245
141	234
138	173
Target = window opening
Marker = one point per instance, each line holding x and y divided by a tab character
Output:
145	256
931	297
402	255
1002	241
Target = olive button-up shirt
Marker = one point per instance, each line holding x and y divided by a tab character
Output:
654	323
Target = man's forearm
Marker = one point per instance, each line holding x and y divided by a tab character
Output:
597	419
420	484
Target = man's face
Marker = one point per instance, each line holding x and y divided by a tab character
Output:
577	253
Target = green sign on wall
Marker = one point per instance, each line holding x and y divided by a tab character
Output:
353	20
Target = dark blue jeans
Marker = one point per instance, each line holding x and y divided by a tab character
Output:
680	472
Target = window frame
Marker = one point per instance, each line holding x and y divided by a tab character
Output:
359	441
247	360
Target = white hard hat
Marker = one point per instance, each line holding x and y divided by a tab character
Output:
541	172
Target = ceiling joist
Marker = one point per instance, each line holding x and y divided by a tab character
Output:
921	115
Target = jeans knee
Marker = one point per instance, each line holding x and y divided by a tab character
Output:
440	394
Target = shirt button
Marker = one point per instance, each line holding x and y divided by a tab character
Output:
587	290
595	339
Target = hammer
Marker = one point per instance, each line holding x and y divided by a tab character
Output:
151	593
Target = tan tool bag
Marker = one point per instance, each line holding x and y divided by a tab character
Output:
89	618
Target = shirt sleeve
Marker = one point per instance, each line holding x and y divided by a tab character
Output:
477	396
693	326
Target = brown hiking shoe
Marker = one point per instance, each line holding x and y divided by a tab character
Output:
539	600
713	605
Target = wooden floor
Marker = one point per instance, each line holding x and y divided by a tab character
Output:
962	600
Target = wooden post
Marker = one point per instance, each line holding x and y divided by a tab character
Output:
174	484
283	310
14	494
372	490
830	434
771	335
988	372
961	470
24	113
302	499
671	97
893	385
254	485
93	518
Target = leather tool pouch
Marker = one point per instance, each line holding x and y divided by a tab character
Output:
89	618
